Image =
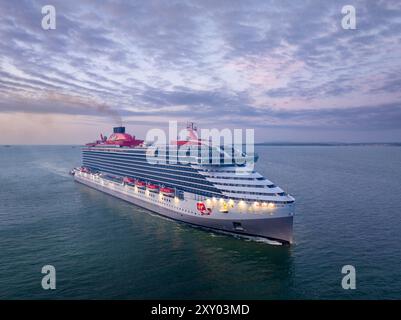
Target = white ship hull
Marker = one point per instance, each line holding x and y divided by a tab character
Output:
270	223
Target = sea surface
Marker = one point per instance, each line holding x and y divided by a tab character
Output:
348	212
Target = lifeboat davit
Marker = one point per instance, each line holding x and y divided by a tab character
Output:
152	187
167	192
140	184
128	180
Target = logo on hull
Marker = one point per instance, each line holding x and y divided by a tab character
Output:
200	206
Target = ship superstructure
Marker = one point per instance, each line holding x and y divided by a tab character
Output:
203	185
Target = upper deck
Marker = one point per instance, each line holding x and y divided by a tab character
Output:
193	150
203	155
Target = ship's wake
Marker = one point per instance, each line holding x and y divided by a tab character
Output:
53	168
252	238
264	240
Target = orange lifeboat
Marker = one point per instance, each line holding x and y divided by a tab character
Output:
140	184
152	187
167	192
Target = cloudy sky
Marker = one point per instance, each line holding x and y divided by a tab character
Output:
286	68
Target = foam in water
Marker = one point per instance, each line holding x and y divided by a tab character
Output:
53	168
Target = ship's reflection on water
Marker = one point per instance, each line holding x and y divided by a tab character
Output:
235	267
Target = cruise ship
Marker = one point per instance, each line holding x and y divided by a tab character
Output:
207	186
